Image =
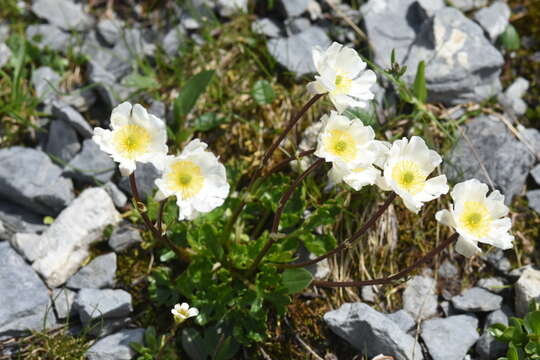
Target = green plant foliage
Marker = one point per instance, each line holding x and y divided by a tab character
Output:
419	86
263	93
522	336
510	38
296	280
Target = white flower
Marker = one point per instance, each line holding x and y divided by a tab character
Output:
477	218
343	76
135	136
183	312
406	170
196	178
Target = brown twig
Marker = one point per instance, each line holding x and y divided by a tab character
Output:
277	217
347	242
180	253
382	281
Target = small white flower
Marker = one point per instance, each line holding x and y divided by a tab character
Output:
135	136
343	76
351	148
183	312
406	170
196	178
477	218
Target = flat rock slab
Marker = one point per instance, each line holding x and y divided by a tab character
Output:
93	304
420	298
506	160
99	273
527	289
116	346
24	297
63	13
62	142
16	219
461	63
403	319
46	82
477	299
146	175
48	36
61	249
450	338
124	237
91	165
63	302
29	178
294	52
371	331
71	116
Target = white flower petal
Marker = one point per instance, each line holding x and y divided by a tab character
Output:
127	167
193	312
120	115
467	248
445	217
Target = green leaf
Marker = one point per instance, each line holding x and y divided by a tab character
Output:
150	338
296	280
194	345
227	349
139	81
532	322
263	93
318	244
189	95
208	121
419	86
512	353
510	38
323	215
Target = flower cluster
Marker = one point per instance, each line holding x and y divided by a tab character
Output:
404	166
195	177
183	312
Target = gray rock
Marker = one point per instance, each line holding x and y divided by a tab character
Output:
116	346
189	22
63	299
61	249
174	39
5	54
477	300
506	160
104	327
99	273
391	24
447	308
493	284
93	304
124	237
527	289
46	82
91	165
403	319
62	142
4	32
118	197
63	13
430	7
494	19
368	294
146	174
110	30
29	178
495	257
116	62
319	270
294	52
487	347
535	173
292	8
48	36
533	197
419	297
297	25
82	99
461	64
25	299
532	136
466	5
447	270
371	332
228	8
266	26
450	338
512	100
72	117
157	108
16	219
107	86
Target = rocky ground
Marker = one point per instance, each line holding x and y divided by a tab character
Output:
59	194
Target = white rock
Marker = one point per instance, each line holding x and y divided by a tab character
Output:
527	289
62	248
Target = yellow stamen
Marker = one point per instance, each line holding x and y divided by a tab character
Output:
185	178
341	144
475	218
343	85
408	175
131	141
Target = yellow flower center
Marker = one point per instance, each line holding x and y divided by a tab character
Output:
408	175
131	141
341	144
476	218
185	178
343	84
